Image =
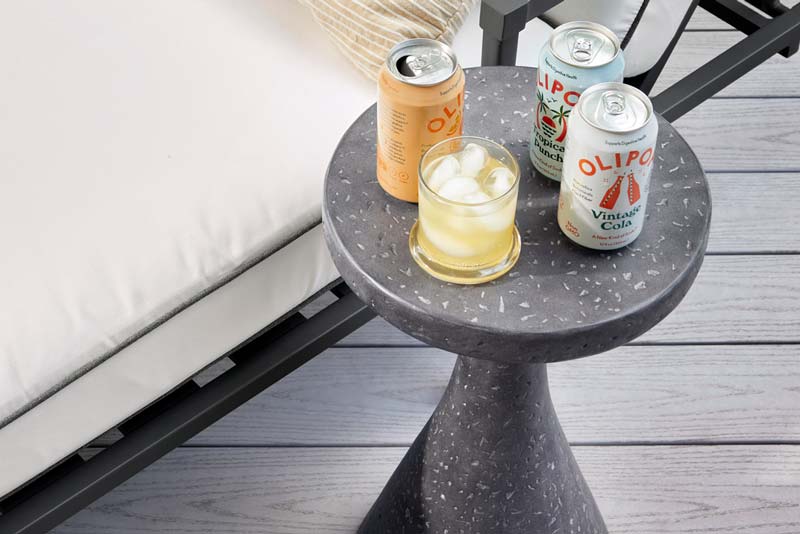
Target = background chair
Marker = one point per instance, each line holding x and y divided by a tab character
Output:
771	28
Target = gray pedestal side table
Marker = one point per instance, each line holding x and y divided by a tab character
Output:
493	457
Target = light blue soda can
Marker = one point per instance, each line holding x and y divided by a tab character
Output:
577	56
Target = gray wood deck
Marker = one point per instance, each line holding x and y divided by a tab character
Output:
695	427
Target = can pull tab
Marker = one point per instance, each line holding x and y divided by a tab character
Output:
614	103
416	65
616	111
582	49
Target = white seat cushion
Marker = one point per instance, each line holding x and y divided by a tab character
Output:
149	151
163	358
162	168
648	39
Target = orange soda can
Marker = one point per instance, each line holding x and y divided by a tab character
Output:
420	102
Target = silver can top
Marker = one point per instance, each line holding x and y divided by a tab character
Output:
422	62
615	107
584	44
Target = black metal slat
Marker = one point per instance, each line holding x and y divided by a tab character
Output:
161	405
48	506
729	66
57	472
502	21
746	19
190	387
256	345
773	8
647	80
736	14
340	290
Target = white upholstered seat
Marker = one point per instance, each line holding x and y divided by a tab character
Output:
161	166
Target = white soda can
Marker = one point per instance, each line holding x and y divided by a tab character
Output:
607	162
577	56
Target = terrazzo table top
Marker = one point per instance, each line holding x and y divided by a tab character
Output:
560	301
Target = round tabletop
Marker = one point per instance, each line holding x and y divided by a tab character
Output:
560	301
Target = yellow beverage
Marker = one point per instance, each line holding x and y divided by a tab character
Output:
467	203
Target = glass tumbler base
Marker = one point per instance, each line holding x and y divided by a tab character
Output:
463	274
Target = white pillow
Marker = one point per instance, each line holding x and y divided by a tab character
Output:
365	30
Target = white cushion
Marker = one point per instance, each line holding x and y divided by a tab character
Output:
149	151
155	363
658	24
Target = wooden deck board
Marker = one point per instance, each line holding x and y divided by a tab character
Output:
754	213
775	78
755	135
703	20
641	490
383	396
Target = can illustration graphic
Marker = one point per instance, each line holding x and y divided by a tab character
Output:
607	164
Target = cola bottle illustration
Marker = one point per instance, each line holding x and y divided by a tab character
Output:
612	194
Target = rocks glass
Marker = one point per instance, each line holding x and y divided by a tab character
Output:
467	202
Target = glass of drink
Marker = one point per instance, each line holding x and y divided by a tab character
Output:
467	201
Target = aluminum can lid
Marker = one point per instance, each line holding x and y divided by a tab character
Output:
615	107
584	44
421	62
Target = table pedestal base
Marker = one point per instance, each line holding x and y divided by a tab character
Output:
492	459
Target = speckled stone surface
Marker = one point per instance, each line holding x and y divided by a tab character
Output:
560	301
493	458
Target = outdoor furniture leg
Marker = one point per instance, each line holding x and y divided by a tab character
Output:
493	458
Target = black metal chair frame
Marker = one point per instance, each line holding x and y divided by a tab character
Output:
770	26
282	347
